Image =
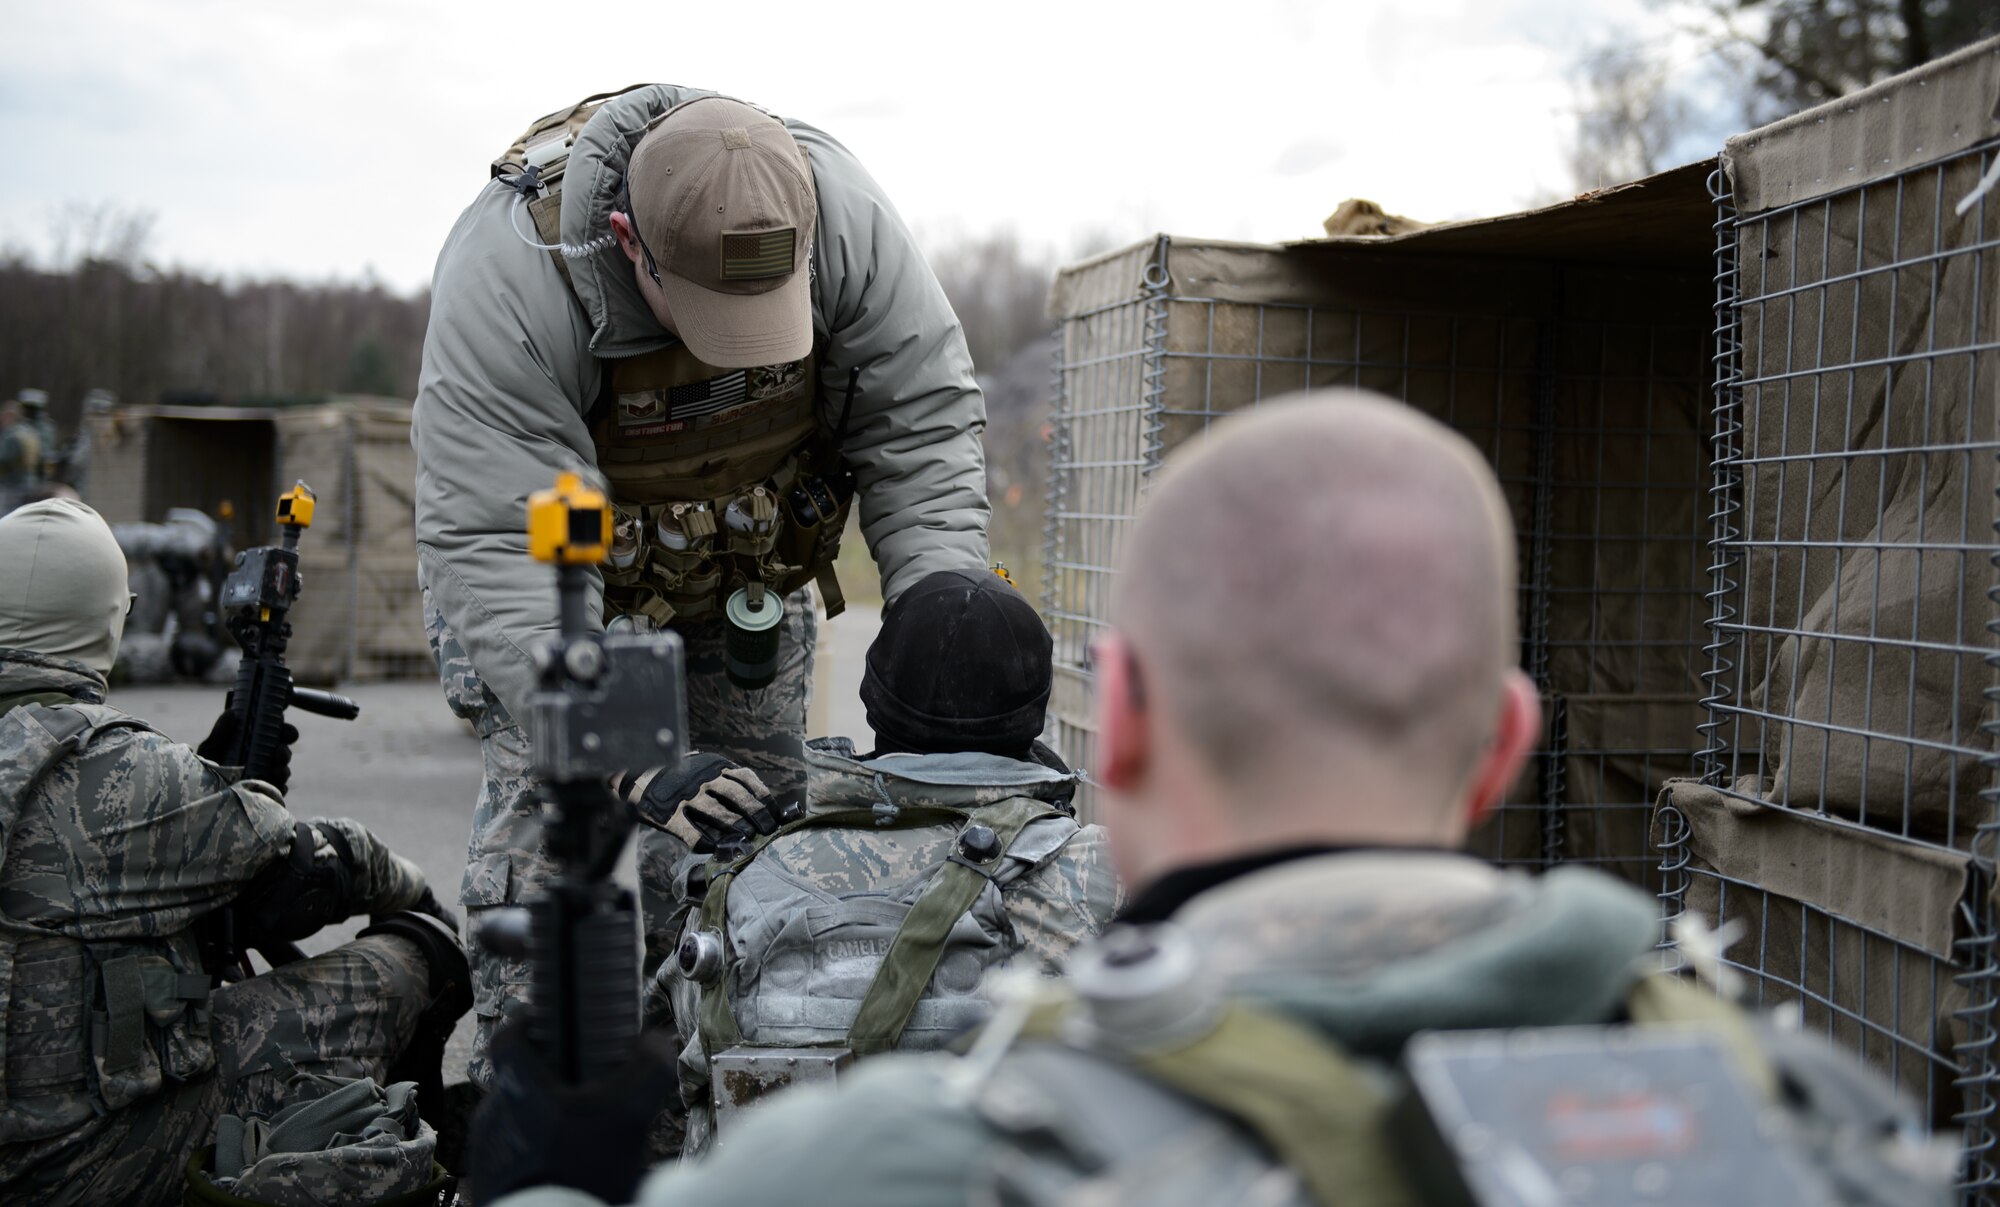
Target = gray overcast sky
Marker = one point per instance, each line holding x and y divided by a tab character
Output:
332	139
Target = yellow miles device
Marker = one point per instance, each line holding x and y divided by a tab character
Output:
570	525
295	506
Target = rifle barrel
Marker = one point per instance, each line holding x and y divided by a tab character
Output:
326	704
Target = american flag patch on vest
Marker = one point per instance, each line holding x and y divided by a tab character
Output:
707	397
749	255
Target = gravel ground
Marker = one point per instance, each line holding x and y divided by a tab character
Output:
409	770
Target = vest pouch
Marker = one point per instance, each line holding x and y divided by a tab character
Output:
691	588
751	519
815	518
177	1011
44	1070
122	1053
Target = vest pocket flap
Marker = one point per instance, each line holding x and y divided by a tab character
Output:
167	991
1040	842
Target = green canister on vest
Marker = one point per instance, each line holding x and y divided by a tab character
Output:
750	645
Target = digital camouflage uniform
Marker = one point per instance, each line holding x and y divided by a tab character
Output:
811	918
504	859
118	1058
522	375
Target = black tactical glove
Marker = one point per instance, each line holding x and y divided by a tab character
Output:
297	895
220	745
709	801
429	904
532	1130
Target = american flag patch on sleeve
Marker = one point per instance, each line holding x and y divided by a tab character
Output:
749	255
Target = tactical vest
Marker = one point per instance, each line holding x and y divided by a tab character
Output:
1249	1105
720	478
897	962
89	1027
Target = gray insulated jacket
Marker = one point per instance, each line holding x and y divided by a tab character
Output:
513	362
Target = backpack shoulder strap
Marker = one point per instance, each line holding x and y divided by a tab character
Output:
914	953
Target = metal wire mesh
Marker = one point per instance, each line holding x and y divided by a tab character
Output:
1591	424
1850	667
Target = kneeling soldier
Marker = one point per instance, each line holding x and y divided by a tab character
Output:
122	854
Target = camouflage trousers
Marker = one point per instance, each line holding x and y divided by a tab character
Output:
348	1012
763	730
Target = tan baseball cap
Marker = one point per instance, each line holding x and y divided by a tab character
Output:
725	208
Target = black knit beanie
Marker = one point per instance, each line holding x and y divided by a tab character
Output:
962	663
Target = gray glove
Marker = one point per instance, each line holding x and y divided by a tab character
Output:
706	802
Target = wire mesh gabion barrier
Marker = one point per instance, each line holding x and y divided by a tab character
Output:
1588	407
1844	819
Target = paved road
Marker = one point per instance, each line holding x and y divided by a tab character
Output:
409	770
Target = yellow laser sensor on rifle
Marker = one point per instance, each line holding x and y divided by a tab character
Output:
569	525
295	506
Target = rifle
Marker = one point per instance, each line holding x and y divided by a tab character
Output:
256	599
604	703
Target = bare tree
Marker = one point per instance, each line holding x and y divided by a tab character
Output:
1628	116
1798	53
102	232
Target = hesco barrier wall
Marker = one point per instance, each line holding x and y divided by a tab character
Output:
1575	357
1746	417
1844	818
360	617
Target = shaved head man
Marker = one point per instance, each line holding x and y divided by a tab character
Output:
1306	696
1312	640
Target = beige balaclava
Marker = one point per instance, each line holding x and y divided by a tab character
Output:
62	583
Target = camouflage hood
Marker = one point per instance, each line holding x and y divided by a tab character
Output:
24	672
838	780
1372	947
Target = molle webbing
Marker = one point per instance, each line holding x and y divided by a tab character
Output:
913	955
544	146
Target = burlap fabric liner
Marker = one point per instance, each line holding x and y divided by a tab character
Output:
1905	892
1908	891
360	604
1904	121
1466	322
1875	665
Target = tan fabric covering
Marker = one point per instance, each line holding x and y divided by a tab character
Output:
1836	973
360	616
1915	118
1358	216
1464	338
1905	890
1929	599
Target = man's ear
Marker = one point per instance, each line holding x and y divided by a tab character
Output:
628	241
1124	738
1519	724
